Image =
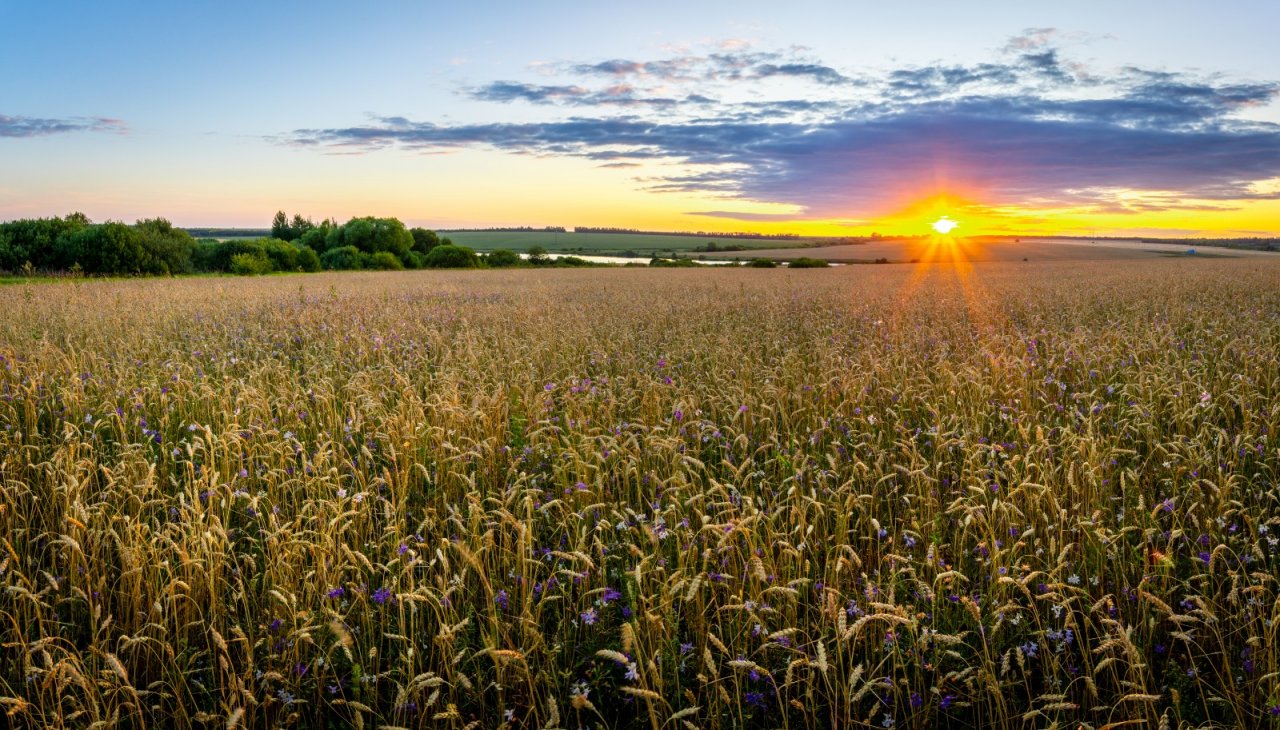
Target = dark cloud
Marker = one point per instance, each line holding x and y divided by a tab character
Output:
12	126
1026	128
622	95
743	216
506	91
813	71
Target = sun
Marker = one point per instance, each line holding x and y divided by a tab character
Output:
944	225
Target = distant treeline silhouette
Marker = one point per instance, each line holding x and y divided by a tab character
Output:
508	229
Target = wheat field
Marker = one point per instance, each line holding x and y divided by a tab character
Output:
998	495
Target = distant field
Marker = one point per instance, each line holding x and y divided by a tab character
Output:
977	249
641	243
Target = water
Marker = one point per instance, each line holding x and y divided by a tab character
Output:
620	259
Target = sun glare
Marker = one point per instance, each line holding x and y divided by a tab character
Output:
944	225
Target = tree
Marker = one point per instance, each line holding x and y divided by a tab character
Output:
371	235
280	226
316	237
285	230
299	226
424	240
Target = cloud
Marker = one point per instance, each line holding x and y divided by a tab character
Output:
14	126
1028	127
813	71
744	216
620	94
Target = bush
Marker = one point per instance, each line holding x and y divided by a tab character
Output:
216	255
451	257
537	256
106	248
342	258
166	250
250	264
502	258
572	261
762	264
282	254
308	260
673	263
808	263
385	261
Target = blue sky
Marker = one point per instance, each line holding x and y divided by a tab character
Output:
221	113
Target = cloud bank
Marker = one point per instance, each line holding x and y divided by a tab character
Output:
1029	126
14	126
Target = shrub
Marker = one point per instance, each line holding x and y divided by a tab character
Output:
250	264
762	264
808	263
343	258
308	260
385	261
451	257
537	256
282	254
502	258
214	255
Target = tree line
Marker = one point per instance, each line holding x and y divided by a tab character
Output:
153	246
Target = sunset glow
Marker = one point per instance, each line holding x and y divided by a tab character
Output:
1045	123
944	225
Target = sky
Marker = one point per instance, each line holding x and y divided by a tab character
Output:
1126	118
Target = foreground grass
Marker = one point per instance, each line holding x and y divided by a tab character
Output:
880	496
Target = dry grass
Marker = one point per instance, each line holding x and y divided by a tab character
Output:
1004	495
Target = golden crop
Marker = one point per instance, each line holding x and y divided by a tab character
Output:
1001	495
